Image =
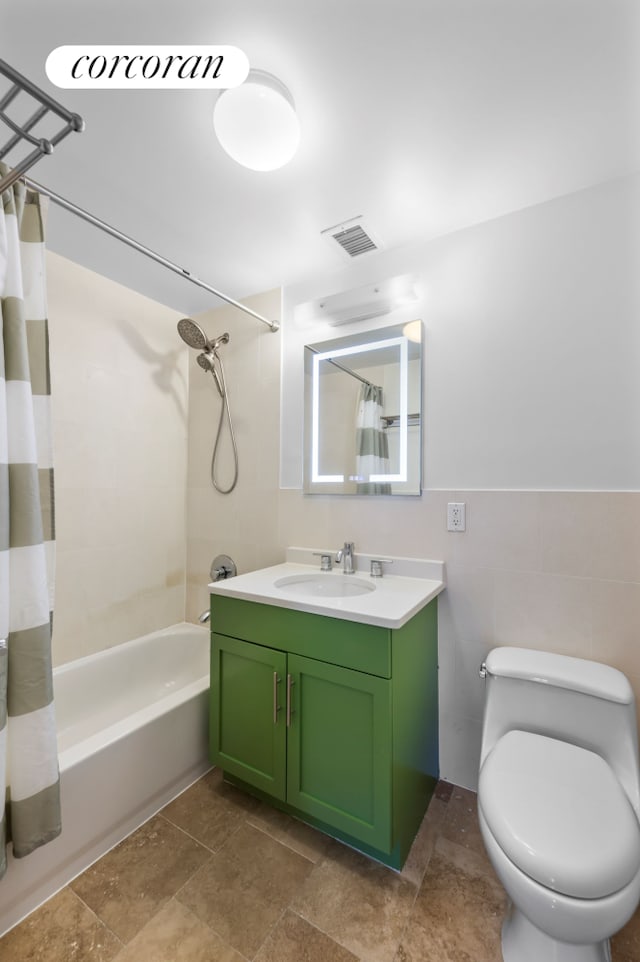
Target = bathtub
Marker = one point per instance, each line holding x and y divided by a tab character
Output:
132	734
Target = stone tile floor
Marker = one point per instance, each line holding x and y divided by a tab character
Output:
217	876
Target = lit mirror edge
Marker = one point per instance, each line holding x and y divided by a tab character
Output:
315	483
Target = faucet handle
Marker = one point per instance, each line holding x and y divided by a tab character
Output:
376	566
326	561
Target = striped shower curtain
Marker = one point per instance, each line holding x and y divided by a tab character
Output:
29	779
372	446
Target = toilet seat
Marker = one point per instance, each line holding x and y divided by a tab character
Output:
560	815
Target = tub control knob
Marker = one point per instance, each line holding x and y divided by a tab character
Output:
222	567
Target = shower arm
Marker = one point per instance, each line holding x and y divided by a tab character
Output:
158	258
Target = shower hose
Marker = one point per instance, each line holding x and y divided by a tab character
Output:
224	410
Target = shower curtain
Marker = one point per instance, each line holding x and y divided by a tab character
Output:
372	446
29	779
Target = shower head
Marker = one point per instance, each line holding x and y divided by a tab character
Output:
192	334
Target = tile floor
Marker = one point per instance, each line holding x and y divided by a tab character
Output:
217	876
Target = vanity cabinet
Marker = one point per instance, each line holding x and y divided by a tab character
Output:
247	722
332	720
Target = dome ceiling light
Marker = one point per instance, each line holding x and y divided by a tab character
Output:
256	122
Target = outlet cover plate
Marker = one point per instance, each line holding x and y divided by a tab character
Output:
457	516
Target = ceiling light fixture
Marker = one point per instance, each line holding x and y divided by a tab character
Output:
256	122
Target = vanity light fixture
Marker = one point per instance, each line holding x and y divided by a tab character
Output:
256	122
360	303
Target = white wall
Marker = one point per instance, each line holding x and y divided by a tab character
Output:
119	398
244	523
532	354
532	346
535	347
134	417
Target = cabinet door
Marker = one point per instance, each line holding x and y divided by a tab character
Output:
247	717
339	749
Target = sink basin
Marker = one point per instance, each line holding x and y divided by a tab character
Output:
324	585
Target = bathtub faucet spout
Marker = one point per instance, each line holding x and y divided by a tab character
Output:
204	617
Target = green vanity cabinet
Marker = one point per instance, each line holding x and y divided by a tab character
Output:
250	740
339	749
332	720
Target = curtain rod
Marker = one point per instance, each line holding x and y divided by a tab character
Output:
114	232
347	370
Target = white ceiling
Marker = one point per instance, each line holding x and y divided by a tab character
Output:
424	116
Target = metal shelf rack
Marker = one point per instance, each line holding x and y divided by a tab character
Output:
25	133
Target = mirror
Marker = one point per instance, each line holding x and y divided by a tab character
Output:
363	410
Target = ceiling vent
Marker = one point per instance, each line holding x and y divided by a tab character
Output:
352	237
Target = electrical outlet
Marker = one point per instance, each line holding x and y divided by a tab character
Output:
457	516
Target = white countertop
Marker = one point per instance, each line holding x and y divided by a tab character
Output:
394	601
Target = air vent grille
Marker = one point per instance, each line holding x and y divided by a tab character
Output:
355	241
353	238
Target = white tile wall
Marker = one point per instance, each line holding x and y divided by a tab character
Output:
244	523
119	386
552	570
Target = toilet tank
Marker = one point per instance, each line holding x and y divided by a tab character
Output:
578	701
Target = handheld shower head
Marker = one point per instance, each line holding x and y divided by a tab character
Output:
206	360
192	334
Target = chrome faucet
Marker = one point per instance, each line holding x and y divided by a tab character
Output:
346	556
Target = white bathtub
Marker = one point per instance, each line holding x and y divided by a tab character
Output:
132	734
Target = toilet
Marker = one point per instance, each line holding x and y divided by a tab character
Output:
559	802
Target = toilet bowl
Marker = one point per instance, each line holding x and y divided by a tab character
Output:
558	821
543	926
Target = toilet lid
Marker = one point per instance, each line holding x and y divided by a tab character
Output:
559	813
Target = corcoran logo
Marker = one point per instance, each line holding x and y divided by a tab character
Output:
147	67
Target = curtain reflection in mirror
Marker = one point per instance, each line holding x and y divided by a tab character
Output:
372	447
